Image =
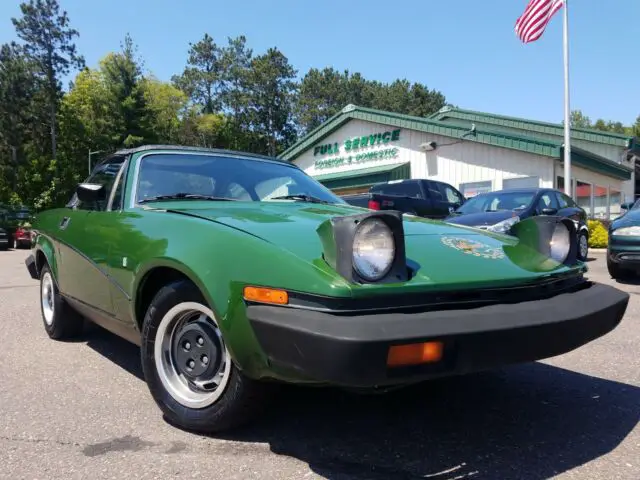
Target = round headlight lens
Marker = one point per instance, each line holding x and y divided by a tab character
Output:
560	243
373	249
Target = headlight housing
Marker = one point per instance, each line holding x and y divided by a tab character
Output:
504	226
373	249
633	231
367	247
560	243
552	237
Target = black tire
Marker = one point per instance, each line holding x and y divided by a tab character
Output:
242	398
582	236
63	322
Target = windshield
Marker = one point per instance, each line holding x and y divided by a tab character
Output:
224	177
497	201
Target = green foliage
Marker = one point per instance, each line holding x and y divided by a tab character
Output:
323	93
598	235
48	43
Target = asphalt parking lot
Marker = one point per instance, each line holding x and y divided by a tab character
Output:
82	410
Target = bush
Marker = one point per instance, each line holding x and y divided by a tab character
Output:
598	235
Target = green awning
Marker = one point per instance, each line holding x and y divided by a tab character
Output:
365	176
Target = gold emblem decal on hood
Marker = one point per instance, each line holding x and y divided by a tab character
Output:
473	247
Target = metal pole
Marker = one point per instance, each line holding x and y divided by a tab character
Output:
567	108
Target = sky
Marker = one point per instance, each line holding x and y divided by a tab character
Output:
466	49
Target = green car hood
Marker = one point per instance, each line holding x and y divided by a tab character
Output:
440	251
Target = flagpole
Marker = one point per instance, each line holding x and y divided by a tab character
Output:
567	109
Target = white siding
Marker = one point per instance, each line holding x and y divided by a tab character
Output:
612	152
454	163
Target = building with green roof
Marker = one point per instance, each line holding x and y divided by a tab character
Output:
473	151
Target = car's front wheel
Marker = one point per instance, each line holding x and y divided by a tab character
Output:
188	367
60	320
583	246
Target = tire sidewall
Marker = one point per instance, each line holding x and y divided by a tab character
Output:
582	235
177	413
50	329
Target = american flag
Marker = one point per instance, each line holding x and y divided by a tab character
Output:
531	25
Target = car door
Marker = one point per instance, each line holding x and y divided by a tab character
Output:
546	200
84	243
444	197
570	209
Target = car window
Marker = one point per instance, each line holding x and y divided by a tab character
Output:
404	189
119	193
497	201
245	179
546	201
104	174
564	201
237	191
447	192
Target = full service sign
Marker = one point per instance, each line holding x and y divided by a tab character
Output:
353	146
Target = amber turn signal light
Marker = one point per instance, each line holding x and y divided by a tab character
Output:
266	295
414	354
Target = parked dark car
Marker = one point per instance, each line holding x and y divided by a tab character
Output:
16	227
419	197
623	248
498	211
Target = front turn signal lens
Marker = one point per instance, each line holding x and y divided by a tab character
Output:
266	295
414	354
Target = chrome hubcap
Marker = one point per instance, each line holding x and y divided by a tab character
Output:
191	358
46	297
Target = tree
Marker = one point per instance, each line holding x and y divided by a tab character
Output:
18	88
201	79
324	92
271	89
579	120
166	105
49	43
123	79
235	61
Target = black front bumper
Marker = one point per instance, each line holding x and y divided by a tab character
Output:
351	350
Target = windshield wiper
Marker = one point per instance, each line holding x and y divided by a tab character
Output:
303	197
187	196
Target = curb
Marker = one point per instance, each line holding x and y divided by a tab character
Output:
597	250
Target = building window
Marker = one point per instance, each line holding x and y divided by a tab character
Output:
583	197
471	189
615	200
522	182
560	184
600	202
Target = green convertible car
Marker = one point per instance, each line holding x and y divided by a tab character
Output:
234	272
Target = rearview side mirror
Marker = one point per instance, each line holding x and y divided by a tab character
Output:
90	192
549	211
626	206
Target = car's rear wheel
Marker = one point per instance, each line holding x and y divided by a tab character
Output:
188	367
60	320
583	246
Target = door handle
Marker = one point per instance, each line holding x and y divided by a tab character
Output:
64	223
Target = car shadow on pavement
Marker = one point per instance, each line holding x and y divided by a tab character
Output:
528	422
121	352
